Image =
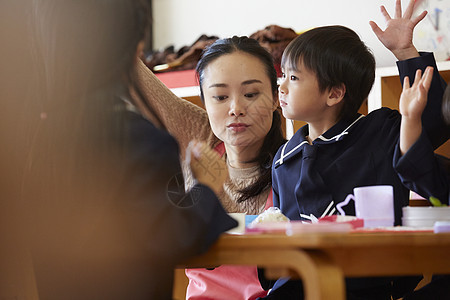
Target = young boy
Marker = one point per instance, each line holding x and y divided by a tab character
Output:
414	160
327	74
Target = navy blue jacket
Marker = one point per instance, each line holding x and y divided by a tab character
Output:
309	180
422	171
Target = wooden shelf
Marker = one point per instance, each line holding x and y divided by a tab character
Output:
387	89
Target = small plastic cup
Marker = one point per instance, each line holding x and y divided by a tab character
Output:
374	204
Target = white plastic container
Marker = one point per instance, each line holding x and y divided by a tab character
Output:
424	216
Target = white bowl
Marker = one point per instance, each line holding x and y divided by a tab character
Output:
418	222
427	212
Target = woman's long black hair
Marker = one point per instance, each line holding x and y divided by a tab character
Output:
274	138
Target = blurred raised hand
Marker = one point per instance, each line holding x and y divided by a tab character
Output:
207	166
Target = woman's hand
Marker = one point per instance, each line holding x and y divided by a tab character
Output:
207	166
398	35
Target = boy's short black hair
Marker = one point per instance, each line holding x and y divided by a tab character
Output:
337	56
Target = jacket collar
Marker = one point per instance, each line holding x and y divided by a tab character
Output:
296	144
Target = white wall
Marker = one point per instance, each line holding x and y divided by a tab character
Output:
181	22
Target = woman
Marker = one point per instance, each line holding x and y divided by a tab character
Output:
238	85
96	194
244	148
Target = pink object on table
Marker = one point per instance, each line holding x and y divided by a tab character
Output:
353	221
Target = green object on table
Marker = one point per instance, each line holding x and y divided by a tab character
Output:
435	201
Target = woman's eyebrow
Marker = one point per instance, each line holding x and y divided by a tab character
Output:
247	82
217	85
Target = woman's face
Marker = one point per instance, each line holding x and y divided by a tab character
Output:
239	100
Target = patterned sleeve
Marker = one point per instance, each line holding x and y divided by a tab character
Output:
182	119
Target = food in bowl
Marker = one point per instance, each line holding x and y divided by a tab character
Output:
272	214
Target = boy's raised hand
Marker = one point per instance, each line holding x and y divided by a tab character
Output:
414	98
207	166
412	103
398	35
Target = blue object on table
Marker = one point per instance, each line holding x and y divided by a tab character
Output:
249	219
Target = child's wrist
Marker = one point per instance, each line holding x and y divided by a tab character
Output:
406	53
411	123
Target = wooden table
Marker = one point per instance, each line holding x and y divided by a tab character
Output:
322	260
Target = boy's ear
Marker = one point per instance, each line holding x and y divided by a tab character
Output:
336	94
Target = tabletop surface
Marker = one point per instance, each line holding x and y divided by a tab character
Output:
352	254
335	239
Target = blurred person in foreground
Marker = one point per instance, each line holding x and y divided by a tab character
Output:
105	211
